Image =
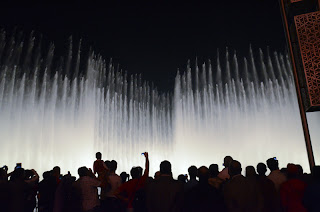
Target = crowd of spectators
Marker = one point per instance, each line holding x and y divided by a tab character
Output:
203	189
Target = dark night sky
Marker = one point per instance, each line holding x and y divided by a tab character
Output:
154	39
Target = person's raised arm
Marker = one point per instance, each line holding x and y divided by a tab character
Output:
146	170
94	168
34	178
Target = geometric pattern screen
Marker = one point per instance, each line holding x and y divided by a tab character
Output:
308	31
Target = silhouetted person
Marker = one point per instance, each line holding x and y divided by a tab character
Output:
124	177
4	190
56	171
132	193
18	191
239	195
157	175
276	176
203	197
193	171
307	178
291	191
47	188
87	185
109	198
268	190
213	170
214	180
182	178
99	167
311	198
251	172
165	193
32	178
63	201
224	174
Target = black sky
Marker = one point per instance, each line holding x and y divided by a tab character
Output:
152	38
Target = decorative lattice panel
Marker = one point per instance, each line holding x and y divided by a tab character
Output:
308	31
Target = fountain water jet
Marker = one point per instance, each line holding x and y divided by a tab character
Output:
49	117
250	117
57	113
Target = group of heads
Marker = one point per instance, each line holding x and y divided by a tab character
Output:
234	167
112	165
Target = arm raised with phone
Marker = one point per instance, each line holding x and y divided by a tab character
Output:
146	170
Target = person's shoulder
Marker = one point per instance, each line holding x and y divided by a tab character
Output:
88	179
238	180
224	170
264	179
76	183
126	185
239	177
118	177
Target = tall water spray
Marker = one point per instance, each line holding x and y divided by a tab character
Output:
57	114
60	112
248	111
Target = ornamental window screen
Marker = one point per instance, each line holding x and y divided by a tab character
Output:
308	31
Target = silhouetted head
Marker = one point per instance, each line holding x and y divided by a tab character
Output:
316	173
108	164
3	175
83	171
28	174
182	178
17	174
113	166
273	164
203	174
227	160
214	170
165	167
235	168
46	174
98	155
136	172
250	171
284	171
192	170
300	169
157	175
124	177
292	170
56	171
261	169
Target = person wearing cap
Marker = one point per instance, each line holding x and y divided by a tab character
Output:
291	192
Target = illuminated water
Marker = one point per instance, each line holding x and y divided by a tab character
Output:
59	114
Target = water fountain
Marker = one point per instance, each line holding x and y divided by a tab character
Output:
60	112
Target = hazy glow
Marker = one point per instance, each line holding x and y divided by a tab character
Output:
58	120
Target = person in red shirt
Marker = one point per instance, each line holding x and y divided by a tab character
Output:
292	191
126	192
99	167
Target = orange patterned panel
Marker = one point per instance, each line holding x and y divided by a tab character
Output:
308	30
